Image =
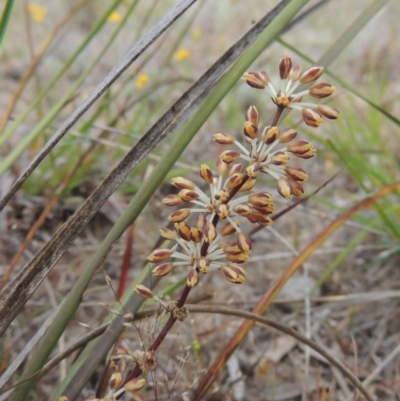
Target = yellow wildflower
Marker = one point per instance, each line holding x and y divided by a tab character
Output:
141	80
181	54
114	17
37	12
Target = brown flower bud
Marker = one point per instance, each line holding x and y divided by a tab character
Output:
299	147
195	235
287	135
228	229
297	173
234	180
252	171
200	222
242	210
179	215
260	218
250	130
232	249
159	254
321	90
249	184
252	115
283	188
183	183
168	234
254	79
285	65
135	384
222	167
224	138
222	211
172	200
183	230
235	168
187	195
311	75
261	199
270	135
328	112
143	291
209	232
192	278
265	210
279	158
312	117
296	188
163	270
239	258
206	174
244	242
308	155
294	73
234	274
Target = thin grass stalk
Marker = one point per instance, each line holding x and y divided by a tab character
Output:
206	381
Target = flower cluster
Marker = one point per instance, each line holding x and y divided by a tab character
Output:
201	243
290	79
264	156
201	246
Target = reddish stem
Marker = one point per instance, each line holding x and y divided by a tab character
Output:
277	116
126	263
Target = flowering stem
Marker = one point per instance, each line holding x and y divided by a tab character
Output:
277	116
137	371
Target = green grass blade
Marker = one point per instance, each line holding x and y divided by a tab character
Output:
5	18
